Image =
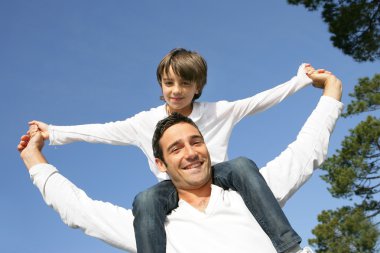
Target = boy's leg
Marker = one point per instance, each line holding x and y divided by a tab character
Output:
243	176
150	208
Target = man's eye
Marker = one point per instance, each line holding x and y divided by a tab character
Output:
174	150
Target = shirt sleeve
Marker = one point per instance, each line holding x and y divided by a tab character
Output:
266	99
102	220
295	165
115	133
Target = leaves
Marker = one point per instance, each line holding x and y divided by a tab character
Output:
355	168
366	96
345	230
353	172
354	24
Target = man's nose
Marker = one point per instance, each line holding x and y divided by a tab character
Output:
190	153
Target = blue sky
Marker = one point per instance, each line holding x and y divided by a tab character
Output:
76	62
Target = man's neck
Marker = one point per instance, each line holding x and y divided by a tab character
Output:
197	198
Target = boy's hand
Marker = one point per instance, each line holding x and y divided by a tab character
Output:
42	127
319	77
325	80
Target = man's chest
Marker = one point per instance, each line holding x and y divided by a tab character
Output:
225	226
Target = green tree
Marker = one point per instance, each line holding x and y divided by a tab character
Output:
366	96
345	230
354	24
353	172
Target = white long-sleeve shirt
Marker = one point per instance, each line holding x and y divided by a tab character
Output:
215	121
226	225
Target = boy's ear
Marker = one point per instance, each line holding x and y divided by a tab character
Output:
161	165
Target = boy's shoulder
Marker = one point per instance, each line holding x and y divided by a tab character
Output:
211	105
146	120
151	114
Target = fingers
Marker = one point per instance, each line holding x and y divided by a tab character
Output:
43	127
24	140
40	124
33	129
25	137
309	69
314	72
34	122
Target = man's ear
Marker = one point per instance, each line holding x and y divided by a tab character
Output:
161	165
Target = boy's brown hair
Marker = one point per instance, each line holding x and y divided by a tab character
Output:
189	65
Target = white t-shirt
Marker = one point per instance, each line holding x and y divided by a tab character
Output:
226	226
214	120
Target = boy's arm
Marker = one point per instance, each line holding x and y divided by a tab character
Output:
115	133
266	99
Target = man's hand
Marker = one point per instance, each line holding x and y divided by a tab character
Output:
42	127
30	147
325	80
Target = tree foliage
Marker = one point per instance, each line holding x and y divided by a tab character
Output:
354	24
353	172
366	96
355	169
346	230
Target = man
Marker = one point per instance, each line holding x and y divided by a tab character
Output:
208	219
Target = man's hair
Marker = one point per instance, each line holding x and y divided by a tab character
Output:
189	65
162	126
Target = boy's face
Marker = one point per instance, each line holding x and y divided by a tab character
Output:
178	93
187	160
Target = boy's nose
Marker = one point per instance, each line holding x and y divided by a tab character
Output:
177	89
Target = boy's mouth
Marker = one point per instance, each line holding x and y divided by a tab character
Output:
176	99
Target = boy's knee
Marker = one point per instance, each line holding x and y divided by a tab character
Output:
245	170
145	200
244	165
162	197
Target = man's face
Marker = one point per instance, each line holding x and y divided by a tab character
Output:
186	157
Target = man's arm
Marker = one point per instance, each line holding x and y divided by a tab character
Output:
294	166
102	220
